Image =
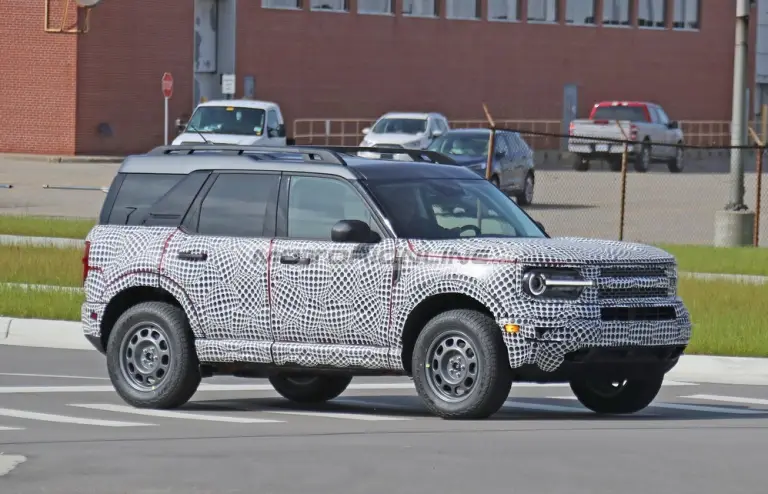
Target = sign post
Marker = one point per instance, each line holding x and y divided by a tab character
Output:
167	84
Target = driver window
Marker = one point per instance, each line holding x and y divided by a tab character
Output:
315	204
461	212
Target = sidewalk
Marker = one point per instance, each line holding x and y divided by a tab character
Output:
61	159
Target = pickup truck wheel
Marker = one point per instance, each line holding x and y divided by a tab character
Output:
151	358
606	397
643	158
525	197
676	164
460	365
614	164
580	164
309	388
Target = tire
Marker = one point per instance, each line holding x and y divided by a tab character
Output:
633	395
614	164
677	163
525	197
580	164
643	158
309	388
495	181
492	373
160	332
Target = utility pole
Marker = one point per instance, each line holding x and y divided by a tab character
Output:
734	225
739	107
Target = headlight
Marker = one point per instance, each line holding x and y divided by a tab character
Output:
413	144
554	283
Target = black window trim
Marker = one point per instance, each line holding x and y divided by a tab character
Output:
191	221
152	213
109	201
281	232
114	193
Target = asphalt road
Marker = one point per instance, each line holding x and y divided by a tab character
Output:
660	207
63	430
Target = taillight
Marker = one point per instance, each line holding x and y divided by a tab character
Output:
632	132
86	260
571	128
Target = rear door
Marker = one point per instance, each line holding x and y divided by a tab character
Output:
219	259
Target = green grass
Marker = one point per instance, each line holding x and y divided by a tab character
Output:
728	260
40	304
44	226
728	317
40	265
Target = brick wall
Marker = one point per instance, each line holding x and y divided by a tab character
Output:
37	78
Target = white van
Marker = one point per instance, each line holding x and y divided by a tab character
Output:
244	122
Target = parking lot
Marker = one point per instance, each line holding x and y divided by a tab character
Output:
660	207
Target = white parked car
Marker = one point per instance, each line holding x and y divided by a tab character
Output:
404	130
242	122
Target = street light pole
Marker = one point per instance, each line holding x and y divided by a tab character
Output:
739	107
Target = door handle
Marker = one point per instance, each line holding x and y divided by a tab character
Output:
193	256
294	260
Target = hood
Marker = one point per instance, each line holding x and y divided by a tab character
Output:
392	138
193	137
463	159
565	250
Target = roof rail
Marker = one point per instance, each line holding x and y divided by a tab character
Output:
415	154
309	154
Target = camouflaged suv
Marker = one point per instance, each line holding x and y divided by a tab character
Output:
309	266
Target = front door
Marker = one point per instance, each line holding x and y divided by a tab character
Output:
219	259
330	301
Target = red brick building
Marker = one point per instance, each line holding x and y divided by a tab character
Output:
99	92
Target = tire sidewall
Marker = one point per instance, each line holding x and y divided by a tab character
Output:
176	369
429	335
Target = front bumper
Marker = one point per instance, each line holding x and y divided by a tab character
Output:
546	342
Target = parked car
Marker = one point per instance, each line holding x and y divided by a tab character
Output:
512	168
654	136
243	122
403	130
318	267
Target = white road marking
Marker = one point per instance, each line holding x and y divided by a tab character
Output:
107	407
542	407
3	428
9	462
331	415
16	374
376	404
692	408
730	399
65	419
257	387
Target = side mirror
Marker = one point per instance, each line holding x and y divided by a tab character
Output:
673	125
437	133
281	130
351	231
499	154
366	131
540	225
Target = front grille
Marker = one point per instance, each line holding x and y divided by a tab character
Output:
633	292
625	314
633	271
390	146
636	281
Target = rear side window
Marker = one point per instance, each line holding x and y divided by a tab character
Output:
138	192
631	113
236	205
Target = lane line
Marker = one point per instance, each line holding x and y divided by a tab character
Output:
540	407
17	374
65	419
692	408
345	416
3	428
257	387
730	399
108	407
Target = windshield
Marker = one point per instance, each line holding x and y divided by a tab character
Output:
631	113
451	208
400	126
227	120
462	144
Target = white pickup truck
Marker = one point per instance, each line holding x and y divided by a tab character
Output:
652	133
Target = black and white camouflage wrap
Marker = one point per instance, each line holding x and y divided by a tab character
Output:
348	306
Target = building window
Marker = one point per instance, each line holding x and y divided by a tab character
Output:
374	6
616	12
542	10
421	8
330	5
281	4
580	12
504	10
686	14
652	13
462	9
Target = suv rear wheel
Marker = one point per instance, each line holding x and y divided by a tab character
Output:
460	365
309	388
151	356
606	396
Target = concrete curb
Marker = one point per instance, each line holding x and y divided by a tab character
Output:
44	333
62	159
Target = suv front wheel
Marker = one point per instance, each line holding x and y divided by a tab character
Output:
460	365
151	356
309	388
605	396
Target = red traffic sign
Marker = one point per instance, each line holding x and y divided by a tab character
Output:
167	83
